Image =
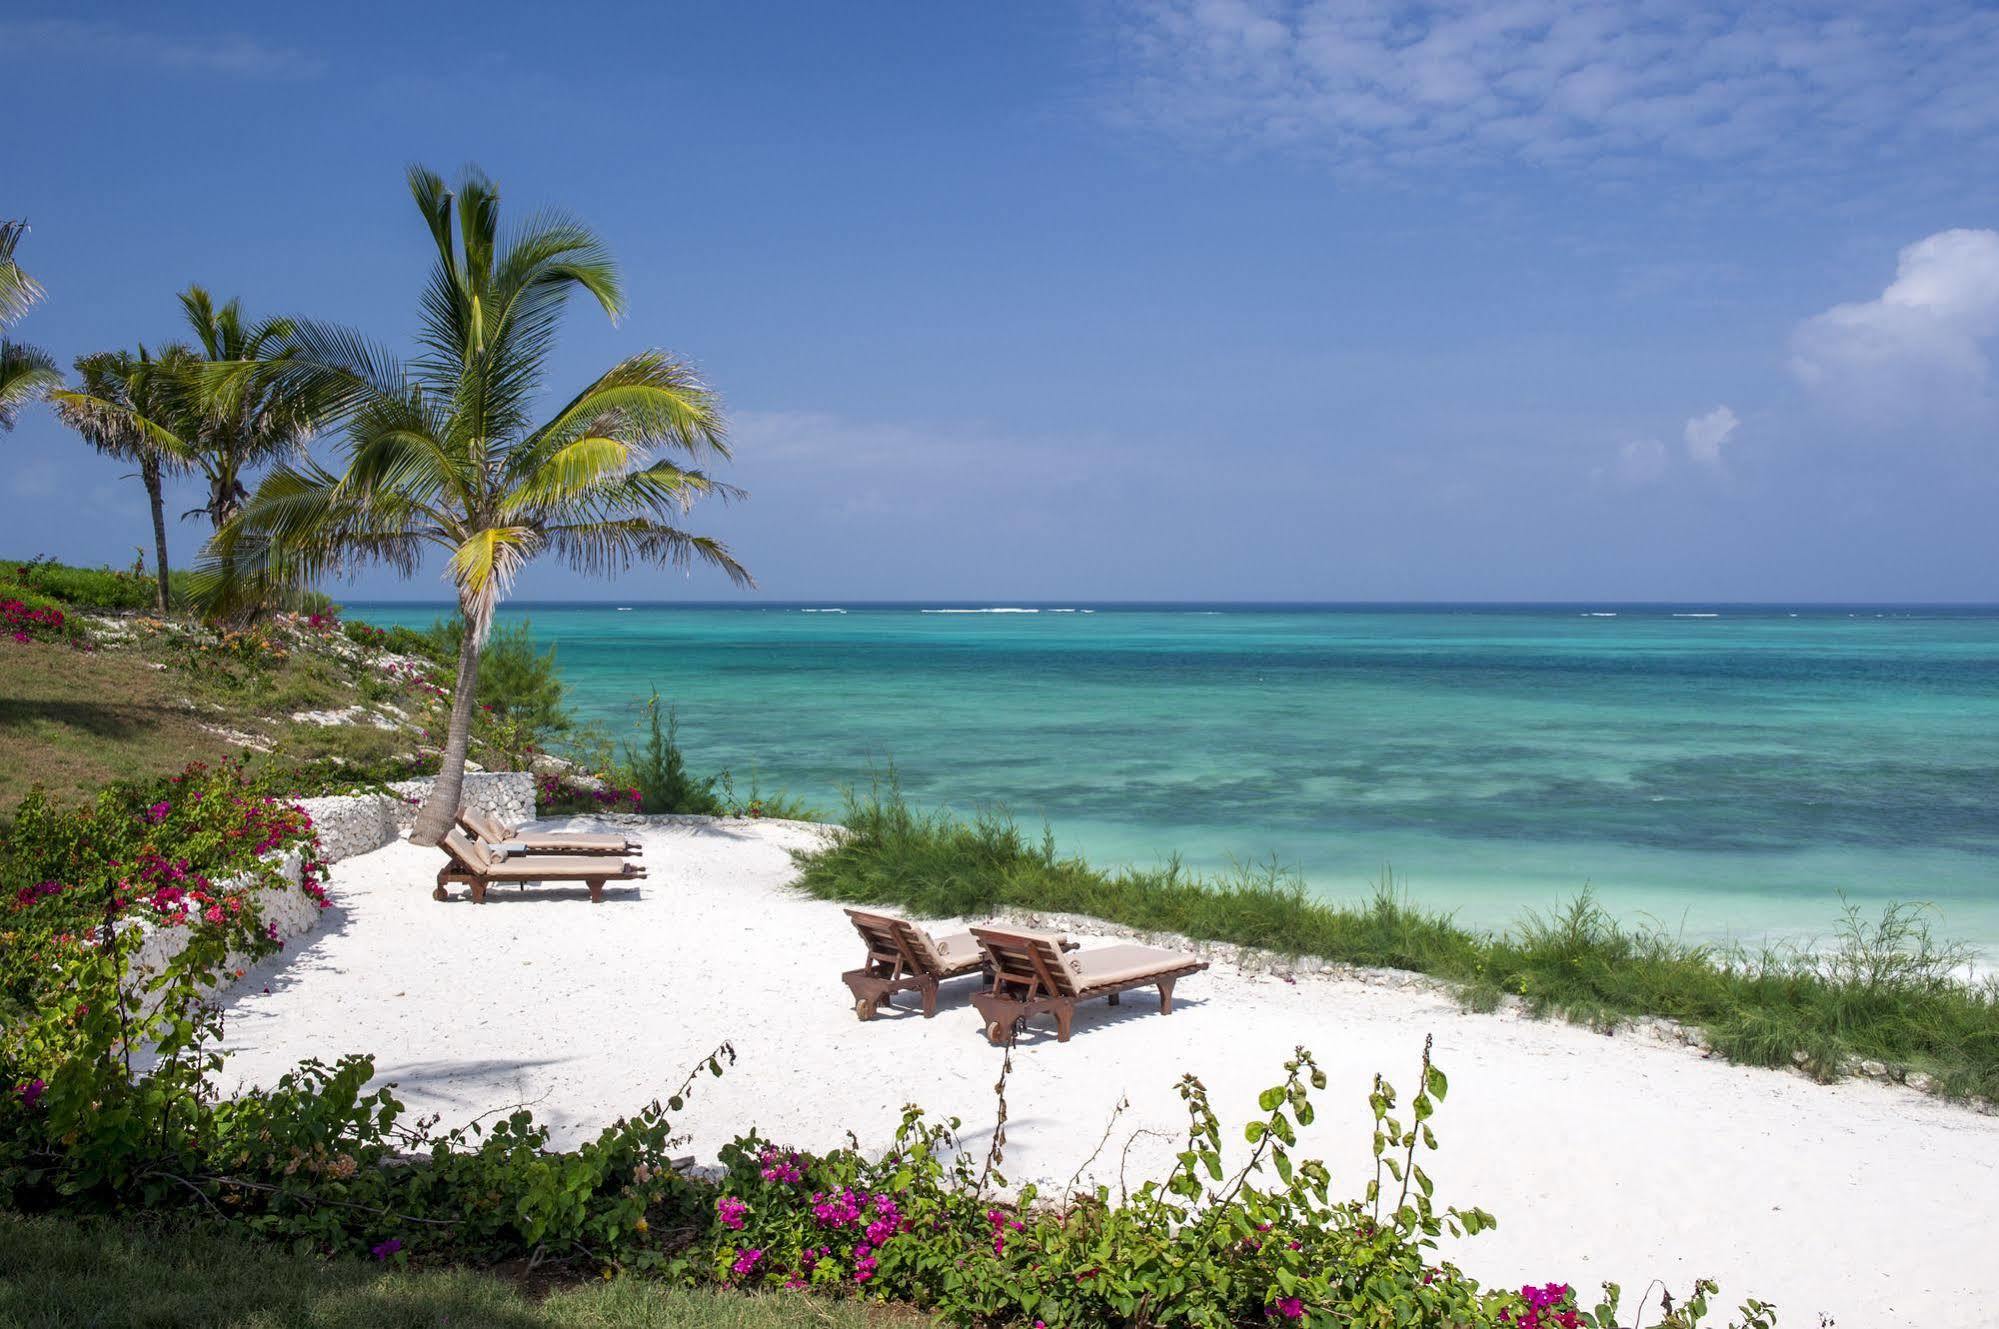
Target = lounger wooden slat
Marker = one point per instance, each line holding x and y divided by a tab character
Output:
492	832
902	957
469	863
1032	975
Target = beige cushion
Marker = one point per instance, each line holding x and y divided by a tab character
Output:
486	826
1109	965
952	954
468	853
549	867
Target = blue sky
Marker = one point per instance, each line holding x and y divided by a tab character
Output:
1535	300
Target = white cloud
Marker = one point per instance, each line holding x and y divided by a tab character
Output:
1705	435
1639	462
1375	85
1918	349
227	53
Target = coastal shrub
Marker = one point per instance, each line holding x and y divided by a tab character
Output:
1883	990
658	769
81	588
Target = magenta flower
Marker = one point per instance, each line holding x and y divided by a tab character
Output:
746	1262
1291	1308
31	1092
387	1248
158	811
731	1210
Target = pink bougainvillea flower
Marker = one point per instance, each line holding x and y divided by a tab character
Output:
387	1248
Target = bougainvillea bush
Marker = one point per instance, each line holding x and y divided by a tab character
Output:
1265	1244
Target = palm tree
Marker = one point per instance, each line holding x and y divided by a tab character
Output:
446	454
135	408
251	419
25	371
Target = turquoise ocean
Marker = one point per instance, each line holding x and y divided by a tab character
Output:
1728	771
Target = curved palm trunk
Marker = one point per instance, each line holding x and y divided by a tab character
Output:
149	471
440	810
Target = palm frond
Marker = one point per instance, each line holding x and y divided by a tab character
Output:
601	548
18	291
26	373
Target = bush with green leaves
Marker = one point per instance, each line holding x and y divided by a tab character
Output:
658	769
1265	1243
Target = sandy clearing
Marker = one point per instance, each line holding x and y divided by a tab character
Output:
1604	1158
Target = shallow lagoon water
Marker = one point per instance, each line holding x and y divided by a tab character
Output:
1730	771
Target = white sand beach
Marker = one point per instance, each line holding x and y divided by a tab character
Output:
1604	1158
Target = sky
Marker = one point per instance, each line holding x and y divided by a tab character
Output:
1222	300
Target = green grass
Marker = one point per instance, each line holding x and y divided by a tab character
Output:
1883	990
67	1274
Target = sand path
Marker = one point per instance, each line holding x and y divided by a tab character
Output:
1604	1158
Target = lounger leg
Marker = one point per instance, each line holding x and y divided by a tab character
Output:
1064	1014
478	889
929	998
1116	997
1166	995
596	890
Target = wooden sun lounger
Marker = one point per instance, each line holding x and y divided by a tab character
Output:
472	865
903	957
490	831
1031	974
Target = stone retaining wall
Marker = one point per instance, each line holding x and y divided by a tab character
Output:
351	824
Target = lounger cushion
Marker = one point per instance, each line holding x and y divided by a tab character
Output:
543	867
485	825
529	841
949	955
1108	965
467	852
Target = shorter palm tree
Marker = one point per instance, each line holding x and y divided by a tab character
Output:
25	371
248	419
135	408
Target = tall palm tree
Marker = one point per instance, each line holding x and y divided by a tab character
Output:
135	408
251	419
25	371
447	453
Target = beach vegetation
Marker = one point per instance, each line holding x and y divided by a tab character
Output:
26	372
1880	989
657	768
445	454
108	1109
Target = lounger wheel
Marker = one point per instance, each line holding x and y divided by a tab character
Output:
995	1034
864	1008
439	893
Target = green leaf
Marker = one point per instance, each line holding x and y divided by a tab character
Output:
1436	1083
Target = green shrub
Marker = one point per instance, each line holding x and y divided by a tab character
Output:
82	588
658	770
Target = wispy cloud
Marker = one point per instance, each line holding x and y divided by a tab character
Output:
1562	83
1921	347
232	54
1707	434
1640	462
